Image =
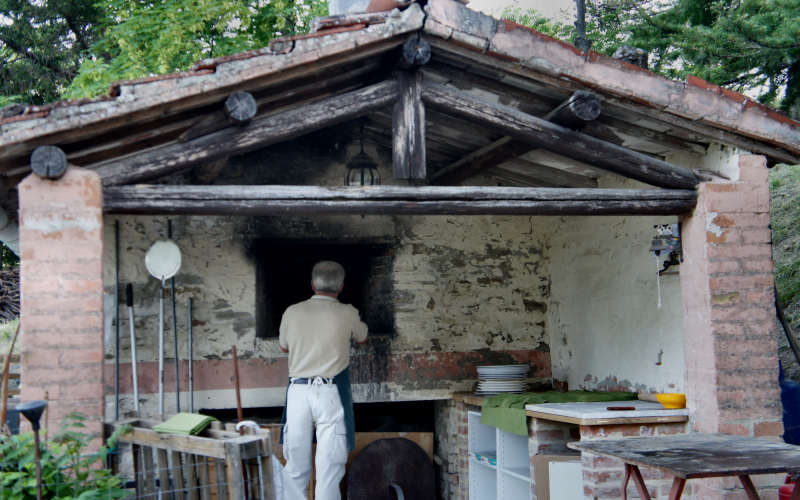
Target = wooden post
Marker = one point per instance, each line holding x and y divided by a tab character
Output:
408	128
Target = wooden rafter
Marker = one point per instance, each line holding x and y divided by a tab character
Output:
261	132
578	110
308	200
570	143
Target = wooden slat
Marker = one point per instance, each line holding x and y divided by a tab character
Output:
186	444
233	471
176	466
203	464
279	200
162	470
539	132
190	474
148	472
260	133
220	477
138	468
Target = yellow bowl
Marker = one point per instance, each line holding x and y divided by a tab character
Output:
672	400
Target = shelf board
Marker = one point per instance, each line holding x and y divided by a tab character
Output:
482	464
517	473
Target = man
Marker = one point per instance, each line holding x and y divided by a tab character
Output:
316	333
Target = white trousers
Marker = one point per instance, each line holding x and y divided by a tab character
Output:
309	406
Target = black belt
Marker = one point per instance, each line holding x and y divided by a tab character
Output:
311	380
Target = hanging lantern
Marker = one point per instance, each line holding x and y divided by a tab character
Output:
361	169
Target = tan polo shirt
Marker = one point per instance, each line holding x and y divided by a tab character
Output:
317	333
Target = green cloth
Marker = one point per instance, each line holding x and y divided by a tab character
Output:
507	411
185	423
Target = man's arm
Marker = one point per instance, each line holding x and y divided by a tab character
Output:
282	332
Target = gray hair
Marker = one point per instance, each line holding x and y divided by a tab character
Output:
327	276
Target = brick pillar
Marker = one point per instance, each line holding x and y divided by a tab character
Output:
548	437
61	238
728	309
602	476
460	481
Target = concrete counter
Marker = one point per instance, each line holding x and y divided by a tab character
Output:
598	413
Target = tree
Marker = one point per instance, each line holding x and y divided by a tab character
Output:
40	46
143	38
750	46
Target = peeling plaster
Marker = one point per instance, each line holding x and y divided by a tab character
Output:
711	227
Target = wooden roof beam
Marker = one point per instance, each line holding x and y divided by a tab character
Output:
579	109
259	133
541	133
393	200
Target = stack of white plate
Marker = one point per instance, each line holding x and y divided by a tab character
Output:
494	379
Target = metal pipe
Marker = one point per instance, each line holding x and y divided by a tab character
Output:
116	320
191	360
174	331
161	351
135	376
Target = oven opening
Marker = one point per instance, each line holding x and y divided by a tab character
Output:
283	278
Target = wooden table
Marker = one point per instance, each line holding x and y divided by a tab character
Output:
698	455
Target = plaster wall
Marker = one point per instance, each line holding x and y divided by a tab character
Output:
468	291
606	329
577	292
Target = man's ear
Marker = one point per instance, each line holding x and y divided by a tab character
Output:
313	287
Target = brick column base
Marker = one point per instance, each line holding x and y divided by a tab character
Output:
730	329
61	238
602	476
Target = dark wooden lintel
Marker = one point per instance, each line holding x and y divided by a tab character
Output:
392	200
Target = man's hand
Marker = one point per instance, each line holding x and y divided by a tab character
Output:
284	349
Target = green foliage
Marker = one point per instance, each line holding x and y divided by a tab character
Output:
66	472
785	220
746	45
7	257
40	46
142	38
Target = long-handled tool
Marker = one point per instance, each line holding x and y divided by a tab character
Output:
191	359
239	413
116	320
174	332
162	260
134	375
